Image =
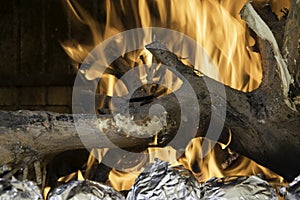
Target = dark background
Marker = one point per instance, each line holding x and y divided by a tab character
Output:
35	72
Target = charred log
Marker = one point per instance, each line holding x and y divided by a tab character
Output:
271	130
26	135
264	128
264	123
291	49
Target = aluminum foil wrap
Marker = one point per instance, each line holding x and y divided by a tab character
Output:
19	190
238	188
84	190
292	191
161	181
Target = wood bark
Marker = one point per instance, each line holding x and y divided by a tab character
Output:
29	135
291	50
264	127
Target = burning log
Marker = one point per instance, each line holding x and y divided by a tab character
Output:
264	123
291	49
264	118
32	135
38	133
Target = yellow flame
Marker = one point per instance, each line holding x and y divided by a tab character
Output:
75	175
80	176
122	180
216	26
212	164
277	5
46	191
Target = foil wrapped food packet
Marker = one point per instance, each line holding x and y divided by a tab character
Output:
84	190
161	181
236	188
292	191
19	190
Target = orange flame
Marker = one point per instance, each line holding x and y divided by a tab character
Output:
212	165
216	26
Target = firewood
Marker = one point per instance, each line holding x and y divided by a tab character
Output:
264	127
291	50
264	123
26	136
268	136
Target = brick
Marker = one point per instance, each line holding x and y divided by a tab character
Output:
8	96
9	108
56	30
32	108
32	47
33	96
9	37
59	96
59	109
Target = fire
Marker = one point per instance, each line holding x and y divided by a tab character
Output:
212	166
216	26
75	175
226	44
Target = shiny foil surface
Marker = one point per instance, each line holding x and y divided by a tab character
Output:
84	190
292	191
158	181
238	188
19	190
161	181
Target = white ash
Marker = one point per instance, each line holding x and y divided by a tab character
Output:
104	124
255	22
128	126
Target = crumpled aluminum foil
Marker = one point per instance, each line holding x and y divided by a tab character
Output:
19	190
161	181
292	191
84	190
239	188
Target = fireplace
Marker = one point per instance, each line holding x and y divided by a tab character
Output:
98	96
